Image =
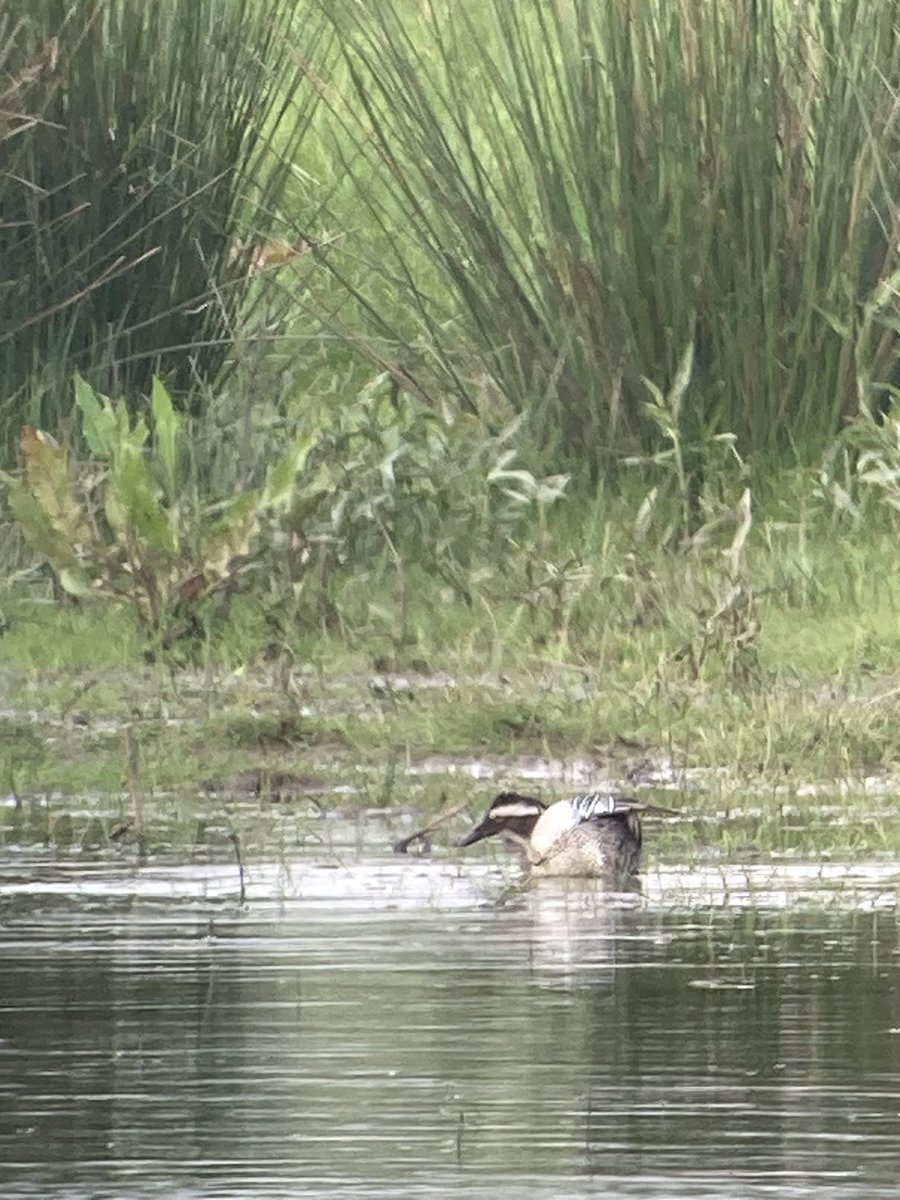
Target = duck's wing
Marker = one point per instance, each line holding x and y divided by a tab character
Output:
566	815
590	806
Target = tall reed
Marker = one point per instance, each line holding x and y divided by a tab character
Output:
143	146
573	194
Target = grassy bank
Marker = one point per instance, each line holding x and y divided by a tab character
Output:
657	668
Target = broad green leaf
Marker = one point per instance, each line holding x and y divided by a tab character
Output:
233	533
165	428
98	420
46	541
135	438
139	500
75	581
114	509
280	477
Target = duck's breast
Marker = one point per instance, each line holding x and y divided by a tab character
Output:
558	820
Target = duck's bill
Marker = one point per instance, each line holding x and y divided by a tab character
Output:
480	831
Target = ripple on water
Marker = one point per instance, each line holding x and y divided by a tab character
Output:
388	1027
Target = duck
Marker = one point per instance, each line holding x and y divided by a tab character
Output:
592	835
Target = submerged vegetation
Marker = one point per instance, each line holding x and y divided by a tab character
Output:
496	378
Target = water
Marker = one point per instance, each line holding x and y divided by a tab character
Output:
389	1027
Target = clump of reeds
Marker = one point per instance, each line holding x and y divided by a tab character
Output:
144	146
573	194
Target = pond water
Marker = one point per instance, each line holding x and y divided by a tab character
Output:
391	1027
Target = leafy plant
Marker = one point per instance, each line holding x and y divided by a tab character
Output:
123	527
390	481
859	477
381	477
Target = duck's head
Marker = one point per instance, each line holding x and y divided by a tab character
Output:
509	813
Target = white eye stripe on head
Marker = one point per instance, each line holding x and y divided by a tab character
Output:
515	808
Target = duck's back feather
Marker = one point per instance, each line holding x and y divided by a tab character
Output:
601	804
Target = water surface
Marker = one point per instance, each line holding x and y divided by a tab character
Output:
373	1026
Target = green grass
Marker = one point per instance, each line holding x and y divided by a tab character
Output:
43	635
625	228
141	167
645	660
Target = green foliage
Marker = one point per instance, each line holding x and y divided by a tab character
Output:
858	482
432	488
123	526
145	147
22	750
395	488
386	473
568	194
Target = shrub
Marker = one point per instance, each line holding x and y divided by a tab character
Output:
380	478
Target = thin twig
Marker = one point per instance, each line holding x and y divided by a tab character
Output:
115	269
236	842
135	791
445	815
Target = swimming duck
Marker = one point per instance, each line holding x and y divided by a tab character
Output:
597	834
